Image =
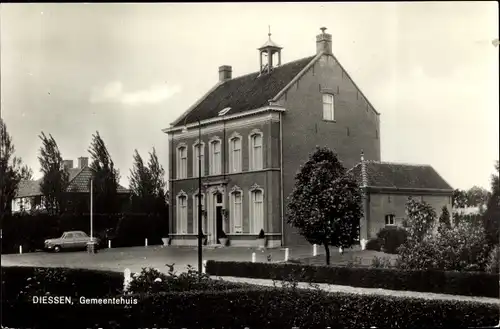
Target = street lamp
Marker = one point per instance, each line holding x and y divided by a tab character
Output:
200	237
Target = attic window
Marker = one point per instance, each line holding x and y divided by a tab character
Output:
224	111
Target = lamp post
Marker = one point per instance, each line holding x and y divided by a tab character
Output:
200	237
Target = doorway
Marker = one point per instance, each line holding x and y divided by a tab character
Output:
218	216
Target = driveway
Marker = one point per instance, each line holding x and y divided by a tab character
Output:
136	258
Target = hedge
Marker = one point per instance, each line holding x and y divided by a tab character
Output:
455	283
261	307
58	282
124	230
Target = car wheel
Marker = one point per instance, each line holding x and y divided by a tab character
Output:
57	249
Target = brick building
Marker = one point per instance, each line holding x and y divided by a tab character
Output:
256	130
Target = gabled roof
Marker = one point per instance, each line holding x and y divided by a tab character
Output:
401	176
245	93
78	183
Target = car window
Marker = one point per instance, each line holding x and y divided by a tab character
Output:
81	235
68	236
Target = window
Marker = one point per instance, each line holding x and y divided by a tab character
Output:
256	162
390	220
215	157
236	212
256	211
181	214
235	154
198	151
328	107
195	213
389	199
181	162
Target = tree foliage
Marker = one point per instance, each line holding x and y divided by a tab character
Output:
445	219
325	204
477	196
105	177
55	176
459	198
491	218
11	171
420	218
147	184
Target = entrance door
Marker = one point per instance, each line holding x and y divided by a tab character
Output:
218	223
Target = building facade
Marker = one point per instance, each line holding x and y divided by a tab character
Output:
252	133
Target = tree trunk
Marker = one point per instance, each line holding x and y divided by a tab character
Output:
327	252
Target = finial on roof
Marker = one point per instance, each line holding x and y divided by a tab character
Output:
269	33
323	29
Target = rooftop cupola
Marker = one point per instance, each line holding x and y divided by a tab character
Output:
269	55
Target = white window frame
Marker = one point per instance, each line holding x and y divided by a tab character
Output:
390	220
236	224
232	164
181	168
253	165
256	225
181	213
195	211
195	158
328	106
215	166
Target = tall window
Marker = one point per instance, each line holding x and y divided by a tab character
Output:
235	154
390	220
256	211
182	162
181	214
256	162
215	157
236	211
195	213
199	154
328	107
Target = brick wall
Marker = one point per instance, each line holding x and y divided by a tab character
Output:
356	126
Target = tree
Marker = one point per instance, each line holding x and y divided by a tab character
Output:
325	204
421	217
444	219
459	198
477	196
55	176
491	218
105	177
11	171
147	184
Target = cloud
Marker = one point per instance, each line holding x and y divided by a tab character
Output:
113	93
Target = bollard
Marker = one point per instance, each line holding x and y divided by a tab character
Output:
341	251
363	244
109	244
253	257
204	267
126	279
20	249
286	254
315	250
146	242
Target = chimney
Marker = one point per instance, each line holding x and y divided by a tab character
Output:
68	164
324	42
225	73
83	162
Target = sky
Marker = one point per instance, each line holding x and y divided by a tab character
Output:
129	70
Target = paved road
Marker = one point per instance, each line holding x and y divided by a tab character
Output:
138	257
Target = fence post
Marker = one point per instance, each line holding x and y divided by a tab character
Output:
204	267
315	250
109	244
286	254
363	244
20	249
253	257
146	242
126	279
341	250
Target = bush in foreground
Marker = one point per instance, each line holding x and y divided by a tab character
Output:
456	283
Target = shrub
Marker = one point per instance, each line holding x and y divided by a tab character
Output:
493	260
457	283
262	307
460	248
374	244
391	238
381	262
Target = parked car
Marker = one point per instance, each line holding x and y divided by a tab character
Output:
69	240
